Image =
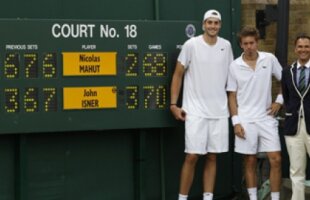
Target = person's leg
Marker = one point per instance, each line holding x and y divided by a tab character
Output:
269	142
217	142
195	145
250	162
187	173
248	147
209	175
275	173
298	159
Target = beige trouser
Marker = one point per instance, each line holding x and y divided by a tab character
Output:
298	146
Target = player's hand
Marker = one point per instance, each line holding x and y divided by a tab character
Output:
178	113
274	109
239	131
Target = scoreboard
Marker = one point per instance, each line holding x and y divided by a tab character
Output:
71	75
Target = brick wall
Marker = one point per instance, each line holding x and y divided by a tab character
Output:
299	21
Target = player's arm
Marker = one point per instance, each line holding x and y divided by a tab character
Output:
277	73
176	84
276	106
233	108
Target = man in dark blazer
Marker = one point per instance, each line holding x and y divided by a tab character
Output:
296	94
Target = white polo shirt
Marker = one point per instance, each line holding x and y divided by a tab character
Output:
253	87
204	90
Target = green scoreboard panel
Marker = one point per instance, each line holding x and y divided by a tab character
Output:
67	75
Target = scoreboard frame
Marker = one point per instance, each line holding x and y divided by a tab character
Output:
71	75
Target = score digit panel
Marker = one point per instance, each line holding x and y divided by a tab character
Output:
71	75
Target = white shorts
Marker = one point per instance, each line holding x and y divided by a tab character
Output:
261	136
204	135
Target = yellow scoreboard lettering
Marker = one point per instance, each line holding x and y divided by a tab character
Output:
89	97
89	63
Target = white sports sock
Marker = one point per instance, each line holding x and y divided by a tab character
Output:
275	195
252	193
207	196
182	197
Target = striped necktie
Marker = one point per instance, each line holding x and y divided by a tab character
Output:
302	80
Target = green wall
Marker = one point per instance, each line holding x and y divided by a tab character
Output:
131	164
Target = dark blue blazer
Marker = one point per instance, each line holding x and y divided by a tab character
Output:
293	100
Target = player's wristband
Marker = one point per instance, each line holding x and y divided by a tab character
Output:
279	99
173	104
235	120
